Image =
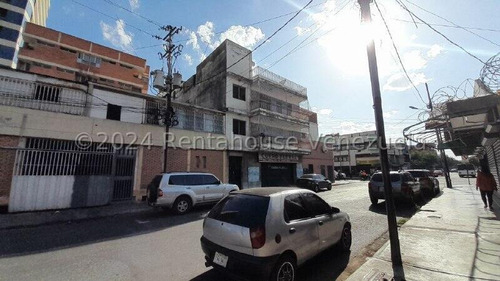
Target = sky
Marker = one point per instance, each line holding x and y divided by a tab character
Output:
323	48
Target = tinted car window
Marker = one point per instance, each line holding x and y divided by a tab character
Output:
294	208
307	177
195	180
241	209
177	180
419	174
209	179
319	177
315	205
407	177
378	177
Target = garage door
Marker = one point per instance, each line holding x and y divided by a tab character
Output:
277	174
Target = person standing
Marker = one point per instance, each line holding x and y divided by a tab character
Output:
486	184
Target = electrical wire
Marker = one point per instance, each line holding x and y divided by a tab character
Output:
132	12
451	26
456	25
438	32
397	52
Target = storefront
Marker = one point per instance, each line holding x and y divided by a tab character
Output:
278	169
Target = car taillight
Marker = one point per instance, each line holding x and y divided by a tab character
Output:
258	237
160	193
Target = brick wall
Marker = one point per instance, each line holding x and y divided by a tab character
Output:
7	160
209	161
177	160
152	160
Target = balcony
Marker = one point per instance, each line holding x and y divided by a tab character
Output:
277	80
276	110
41	96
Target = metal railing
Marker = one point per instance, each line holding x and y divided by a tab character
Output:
35	95
275	78
268	131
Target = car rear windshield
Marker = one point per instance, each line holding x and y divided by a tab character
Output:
419	174
378	177
241	209
465	167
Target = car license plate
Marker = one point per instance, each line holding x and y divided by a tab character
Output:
220	259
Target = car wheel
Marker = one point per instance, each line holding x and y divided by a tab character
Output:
316	188
373	200
182	205
345	242
330	187
284	270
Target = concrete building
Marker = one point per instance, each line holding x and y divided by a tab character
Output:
262	110
14	14
53	53
66	144
360	151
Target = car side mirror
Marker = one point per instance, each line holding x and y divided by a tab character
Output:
334	210
218	182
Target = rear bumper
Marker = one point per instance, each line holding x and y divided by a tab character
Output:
239	264
395	195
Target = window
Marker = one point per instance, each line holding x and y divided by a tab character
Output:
315	205
239	127
240	209
197	161
68	50
177	180
323	170
198	121
89	59
239	92
294	208
45	43
204	162
310	168
209	179
209	122
65	70
114	112
195	180
126	66
47	93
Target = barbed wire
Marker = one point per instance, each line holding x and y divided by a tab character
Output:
490	74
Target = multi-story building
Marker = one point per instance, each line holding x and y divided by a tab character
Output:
360	151
56	54
262	112
14	14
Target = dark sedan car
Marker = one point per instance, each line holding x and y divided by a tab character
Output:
314	182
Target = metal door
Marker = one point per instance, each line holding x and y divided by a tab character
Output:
123	172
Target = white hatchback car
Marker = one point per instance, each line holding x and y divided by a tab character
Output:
183	190
266	233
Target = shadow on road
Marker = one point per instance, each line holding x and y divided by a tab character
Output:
31	240
403	209
326	266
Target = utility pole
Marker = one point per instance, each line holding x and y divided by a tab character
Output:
167	84
440	143
397	263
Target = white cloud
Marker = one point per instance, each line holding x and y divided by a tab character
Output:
206	32
117	35
414	60
301	30
399	83
134	4
193	41
244	36
390	114
188	59
434	51
202	57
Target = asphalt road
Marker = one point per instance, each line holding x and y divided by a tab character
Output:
160	246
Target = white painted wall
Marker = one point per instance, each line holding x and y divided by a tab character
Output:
234	52
131	106
237	104
234	139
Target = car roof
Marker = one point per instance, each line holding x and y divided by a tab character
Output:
392	172
268	191
416	170
186	173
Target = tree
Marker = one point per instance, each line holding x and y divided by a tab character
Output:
424	159
474	161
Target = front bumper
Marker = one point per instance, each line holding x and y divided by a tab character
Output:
239	264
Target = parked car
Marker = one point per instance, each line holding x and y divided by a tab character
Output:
428	184
437	173
314	182
340	175
266	233
181	191
404	187
466	170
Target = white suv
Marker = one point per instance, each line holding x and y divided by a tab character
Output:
181	191
266	233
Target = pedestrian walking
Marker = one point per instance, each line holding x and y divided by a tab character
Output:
486	184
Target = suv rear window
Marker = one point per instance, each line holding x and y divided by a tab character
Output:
419	174
378	177
241	209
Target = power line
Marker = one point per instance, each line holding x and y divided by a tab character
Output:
132	12
111	17
397	52
456	25
438	32
451	26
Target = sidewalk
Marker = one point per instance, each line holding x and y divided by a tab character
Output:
29	219
451	238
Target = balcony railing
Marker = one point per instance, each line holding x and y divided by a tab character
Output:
36	95
275	78
280	107
268	131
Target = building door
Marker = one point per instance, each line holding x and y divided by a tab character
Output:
235	170
277	174
330	172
